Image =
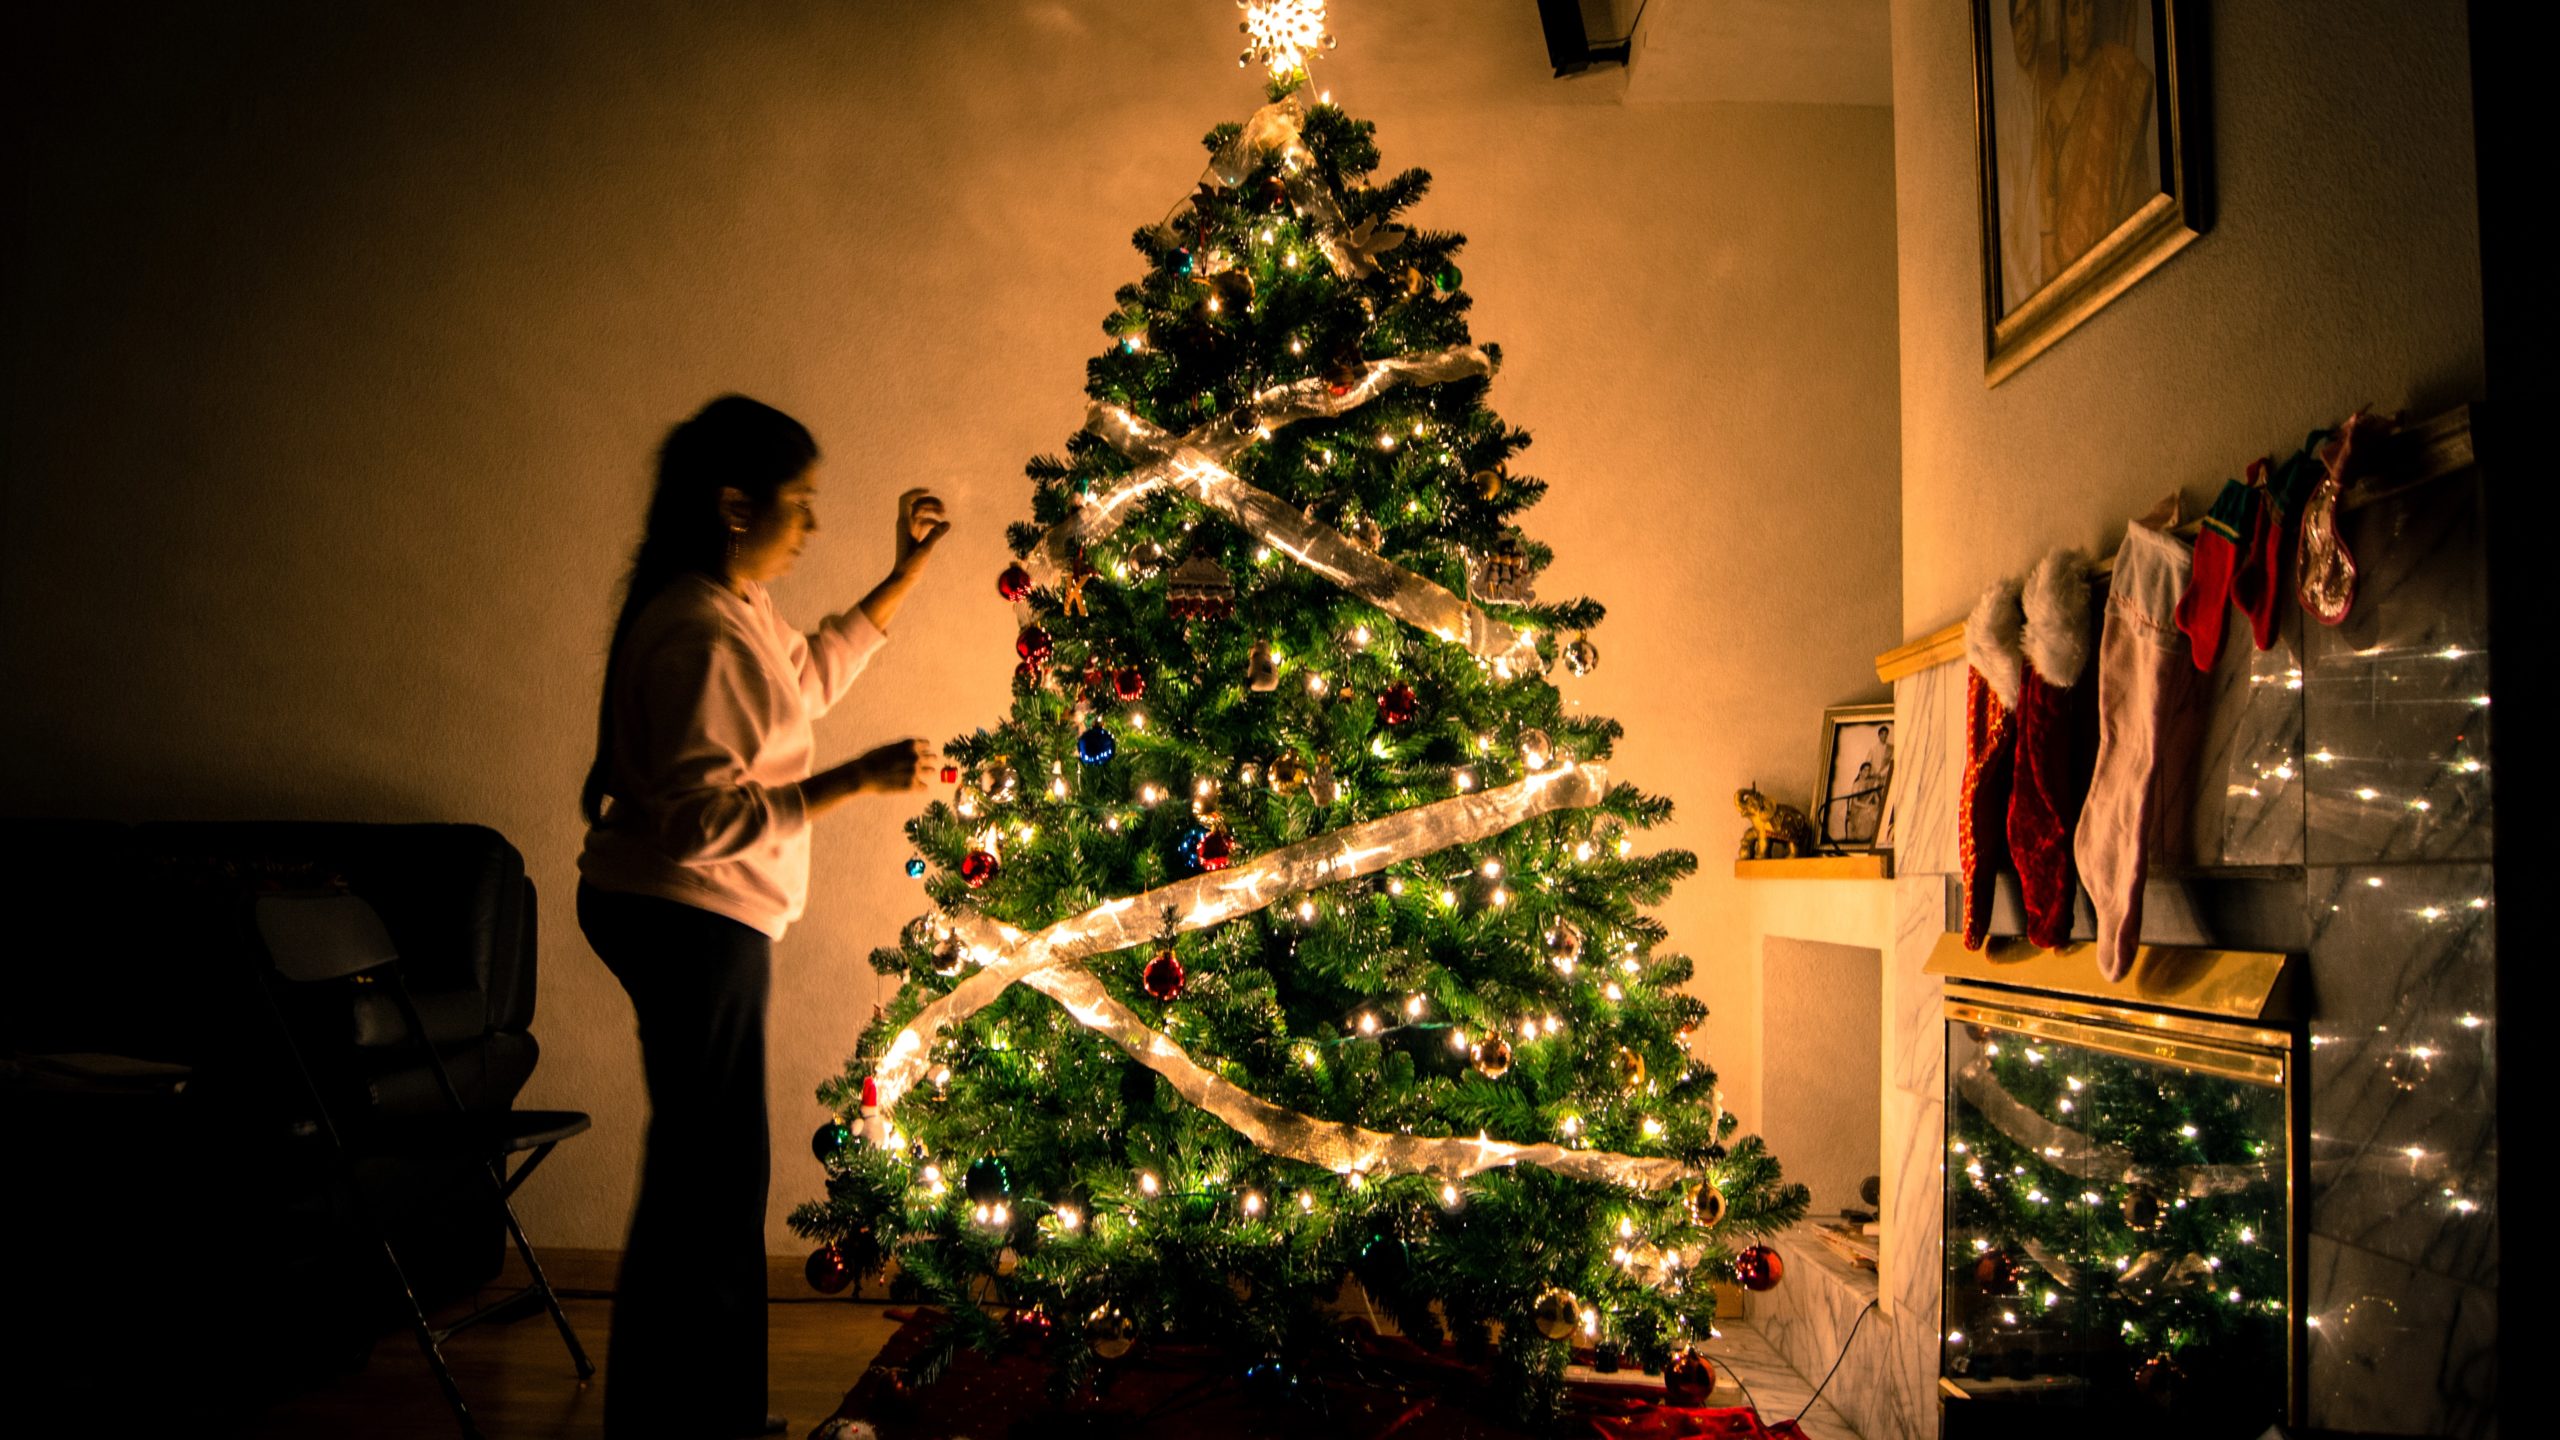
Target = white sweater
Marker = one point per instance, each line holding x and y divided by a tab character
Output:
711	737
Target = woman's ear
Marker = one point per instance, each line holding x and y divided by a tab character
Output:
736	511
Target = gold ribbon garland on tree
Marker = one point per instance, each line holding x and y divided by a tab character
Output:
1048	961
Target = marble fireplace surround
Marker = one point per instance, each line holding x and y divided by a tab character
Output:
2341	812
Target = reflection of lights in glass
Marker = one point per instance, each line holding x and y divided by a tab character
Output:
2367	792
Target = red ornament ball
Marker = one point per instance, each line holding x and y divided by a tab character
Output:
1758	1268
1996	1274
1129	683
1217	850
1014	583
828	1270
1688	1380
1033	644
979	867
1163	976
1397	705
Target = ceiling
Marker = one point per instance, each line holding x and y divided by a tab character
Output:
1815	52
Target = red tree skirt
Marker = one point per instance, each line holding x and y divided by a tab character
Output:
1160	1392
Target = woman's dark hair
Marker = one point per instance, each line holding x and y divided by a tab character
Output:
733	441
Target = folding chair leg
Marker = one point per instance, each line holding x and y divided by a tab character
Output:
434	1352
541	1282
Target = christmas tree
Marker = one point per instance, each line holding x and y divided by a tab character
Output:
1289	928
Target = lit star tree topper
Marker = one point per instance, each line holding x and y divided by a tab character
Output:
1282	34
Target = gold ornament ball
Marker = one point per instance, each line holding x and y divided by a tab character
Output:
1365	533
1537	751
1110	1333
1288	774
2142	1208
1707	1206
1557	1315
1631	1070
1493	1057
1488	484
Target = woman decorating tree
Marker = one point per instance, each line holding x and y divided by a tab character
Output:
698	809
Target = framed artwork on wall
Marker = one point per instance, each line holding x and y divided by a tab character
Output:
1856	774
2090	155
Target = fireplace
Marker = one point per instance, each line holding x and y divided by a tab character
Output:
2121	1245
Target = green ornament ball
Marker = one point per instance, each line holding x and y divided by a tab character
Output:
987	1181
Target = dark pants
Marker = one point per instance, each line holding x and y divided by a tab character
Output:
687	1354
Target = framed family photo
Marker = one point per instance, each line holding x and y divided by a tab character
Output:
1856	775
2090	157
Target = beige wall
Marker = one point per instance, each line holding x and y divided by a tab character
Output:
2342	270
344	340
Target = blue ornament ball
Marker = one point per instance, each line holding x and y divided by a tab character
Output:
1187	849
915	868
1096	745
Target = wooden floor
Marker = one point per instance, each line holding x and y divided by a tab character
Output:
518	1381
520	1385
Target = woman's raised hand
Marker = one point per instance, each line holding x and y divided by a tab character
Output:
920	528
898	765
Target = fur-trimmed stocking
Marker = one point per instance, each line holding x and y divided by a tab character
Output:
1993	666
2053	754
2144	684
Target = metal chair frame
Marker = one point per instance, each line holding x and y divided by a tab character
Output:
348	945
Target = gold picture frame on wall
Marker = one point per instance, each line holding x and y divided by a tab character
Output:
2089	156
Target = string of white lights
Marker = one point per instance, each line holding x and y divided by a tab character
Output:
1216	896
1191	464
1342	1148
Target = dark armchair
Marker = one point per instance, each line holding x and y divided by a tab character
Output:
157	1130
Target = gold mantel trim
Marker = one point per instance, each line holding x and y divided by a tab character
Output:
1935	648
2255	1060
2240	984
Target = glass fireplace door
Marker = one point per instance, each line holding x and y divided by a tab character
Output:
2119	1234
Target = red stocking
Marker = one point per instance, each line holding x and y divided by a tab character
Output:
2144	682
1990	749
2231	525
2259	579
2052	772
